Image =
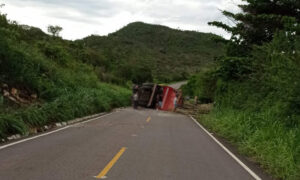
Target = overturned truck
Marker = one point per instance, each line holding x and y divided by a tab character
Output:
152	95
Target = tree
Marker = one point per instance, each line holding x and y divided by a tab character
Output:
54	30
3	20
258	23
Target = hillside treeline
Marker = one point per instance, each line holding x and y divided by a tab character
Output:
255	87
142	52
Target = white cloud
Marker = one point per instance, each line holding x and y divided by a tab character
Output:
82	18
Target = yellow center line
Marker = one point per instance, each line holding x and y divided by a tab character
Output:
111	164
148	119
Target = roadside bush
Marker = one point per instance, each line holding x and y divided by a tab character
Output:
202	85
11	124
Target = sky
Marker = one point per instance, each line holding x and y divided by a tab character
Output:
81	18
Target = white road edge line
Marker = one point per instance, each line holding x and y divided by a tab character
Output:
256	177
51	132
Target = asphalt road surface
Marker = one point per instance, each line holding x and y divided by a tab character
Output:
125	145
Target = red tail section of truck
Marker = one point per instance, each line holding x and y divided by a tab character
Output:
168	99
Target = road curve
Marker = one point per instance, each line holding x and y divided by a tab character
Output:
129	144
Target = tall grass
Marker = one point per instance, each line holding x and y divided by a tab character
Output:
75	104
261	137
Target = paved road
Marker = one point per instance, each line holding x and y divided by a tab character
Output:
157	146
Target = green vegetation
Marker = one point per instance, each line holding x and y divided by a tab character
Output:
256	86
142	52
74	78
79	103
202	85
36	63
54	30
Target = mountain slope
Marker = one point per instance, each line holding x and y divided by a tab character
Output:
166	53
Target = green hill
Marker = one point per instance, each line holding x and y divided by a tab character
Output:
45	79
162	53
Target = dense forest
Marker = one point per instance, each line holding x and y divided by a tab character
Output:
255	87
45	79
142	52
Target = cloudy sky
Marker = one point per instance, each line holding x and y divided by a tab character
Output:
80	18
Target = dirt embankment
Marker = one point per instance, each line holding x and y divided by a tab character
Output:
191	108
19	96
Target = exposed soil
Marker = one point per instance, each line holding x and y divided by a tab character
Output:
190	108
18	95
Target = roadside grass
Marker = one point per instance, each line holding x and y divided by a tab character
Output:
56	72
258	136
81	102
